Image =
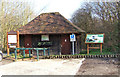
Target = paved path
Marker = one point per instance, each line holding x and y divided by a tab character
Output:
42	67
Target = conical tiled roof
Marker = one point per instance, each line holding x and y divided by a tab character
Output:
49	23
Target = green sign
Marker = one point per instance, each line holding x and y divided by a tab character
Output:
94	38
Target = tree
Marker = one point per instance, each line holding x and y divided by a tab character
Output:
100	17
12	16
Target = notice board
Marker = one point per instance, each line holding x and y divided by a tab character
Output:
94	38
12	38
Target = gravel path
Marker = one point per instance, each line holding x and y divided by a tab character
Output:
42	67
5	61
103	66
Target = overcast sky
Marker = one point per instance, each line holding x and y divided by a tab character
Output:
65	7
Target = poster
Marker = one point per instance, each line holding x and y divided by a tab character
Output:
94	38
12	38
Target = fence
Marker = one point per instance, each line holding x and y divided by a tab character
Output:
36	49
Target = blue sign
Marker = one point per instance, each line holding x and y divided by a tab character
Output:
72	37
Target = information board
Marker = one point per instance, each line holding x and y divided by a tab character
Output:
94	38
12	38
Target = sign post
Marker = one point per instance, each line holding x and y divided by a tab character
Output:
12	40
94	39
73	47
72	39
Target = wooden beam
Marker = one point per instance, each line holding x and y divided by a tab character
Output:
101	48
7	46
18	41
94	47
87	48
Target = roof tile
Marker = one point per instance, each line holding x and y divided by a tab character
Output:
49	23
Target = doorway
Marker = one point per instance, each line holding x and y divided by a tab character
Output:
65	45
28	43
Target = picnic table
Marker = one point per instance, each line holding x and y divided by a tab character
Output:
37	49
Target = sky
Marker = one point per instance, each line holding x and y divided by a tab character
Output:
64	7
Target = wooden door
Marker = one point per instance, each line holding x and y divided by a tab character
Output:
65	45
28	42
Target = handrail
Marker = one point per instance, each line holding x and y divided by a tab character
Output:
37	49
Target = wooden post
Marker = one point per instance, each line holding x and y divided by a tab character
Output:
7	46
8	52
87	48
101	48
18	41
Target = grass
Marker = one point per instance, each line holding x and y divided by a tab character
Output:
20	56
91	52
97	52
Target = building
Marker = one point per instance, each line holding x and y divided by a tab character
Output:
50	30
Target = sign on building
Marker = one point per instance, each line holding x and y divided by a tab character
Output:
45	38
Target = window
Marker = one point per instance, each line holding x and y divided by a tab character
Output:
45	38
